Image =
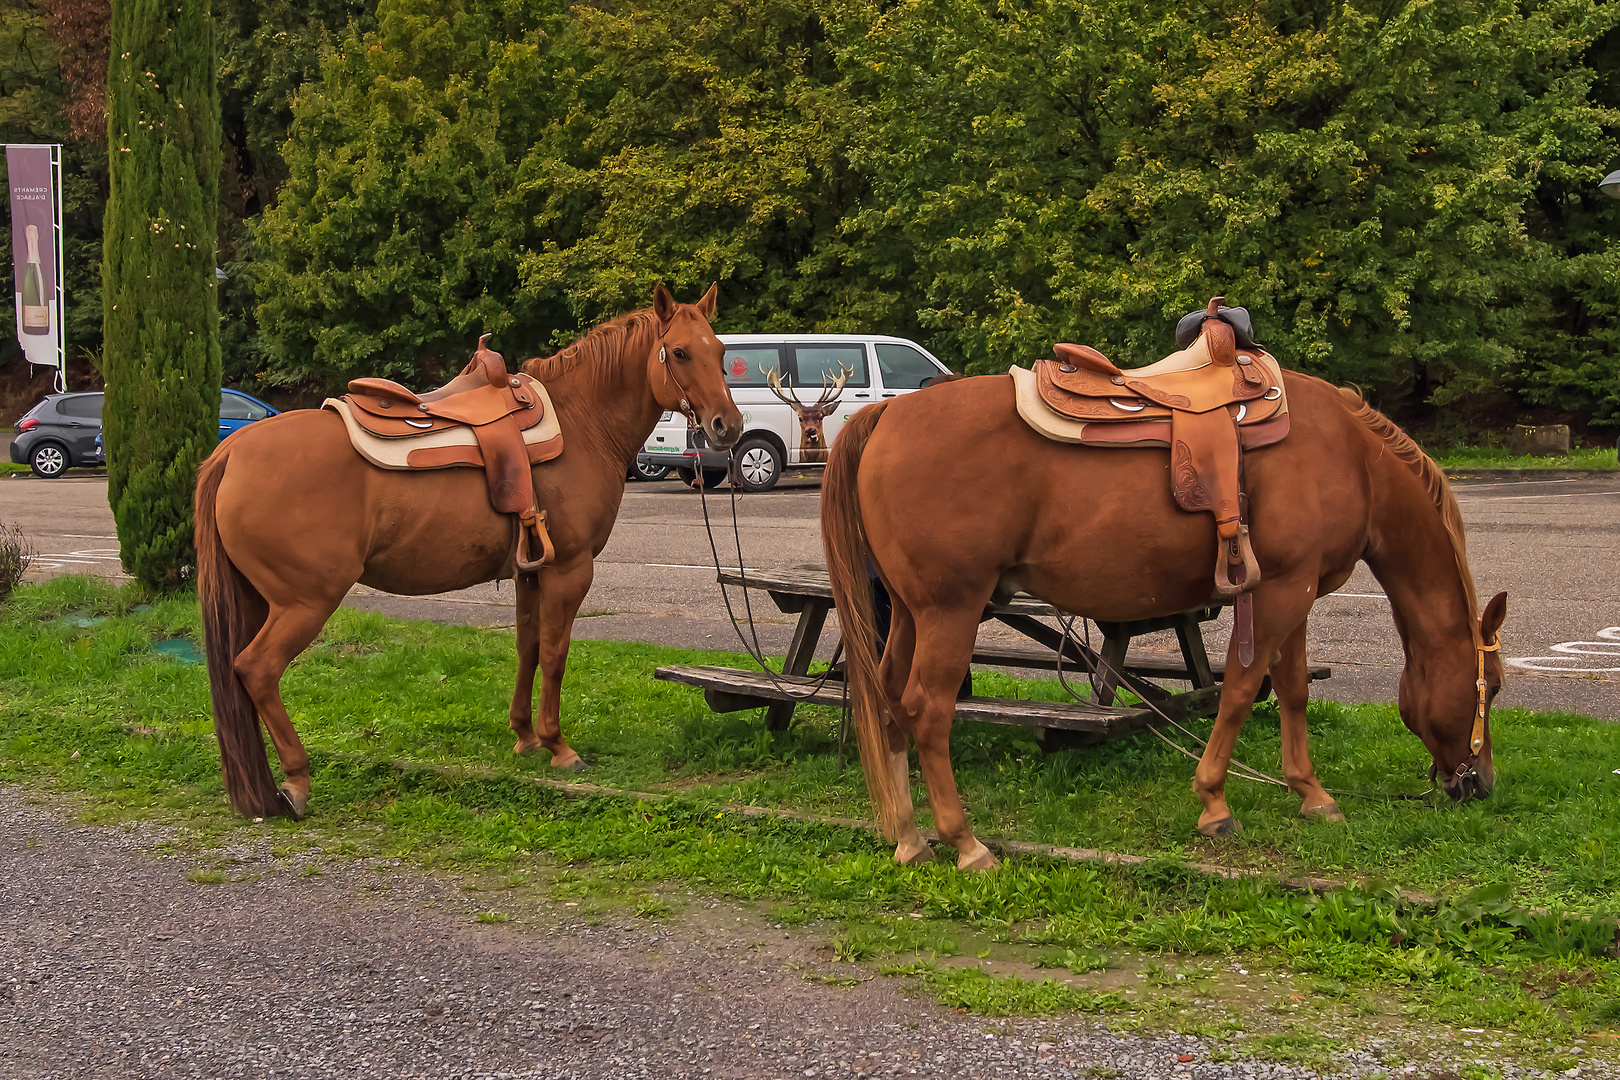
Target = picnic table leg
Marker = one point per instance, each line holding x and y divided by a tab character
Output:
806	635
1191	637
1111	666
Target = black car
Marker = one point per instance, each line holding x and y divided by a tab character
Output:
59	433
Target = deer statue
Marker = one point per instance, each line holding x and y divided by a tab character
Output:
812	440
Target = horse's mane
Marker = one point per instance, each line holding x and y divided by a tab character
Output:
1401	445
596	349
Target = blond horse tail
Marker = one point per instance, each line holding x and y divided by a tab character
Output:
232	613
843	539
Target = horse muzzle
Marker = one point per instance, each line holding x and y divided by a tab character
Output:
1469	783
723	433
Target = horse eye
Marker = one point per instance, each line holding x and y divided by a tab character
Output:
680	354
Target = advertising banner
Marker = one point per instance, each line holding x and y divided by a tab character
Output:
35	257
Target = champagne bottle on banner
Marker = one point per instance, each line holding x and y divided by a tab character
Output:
36	297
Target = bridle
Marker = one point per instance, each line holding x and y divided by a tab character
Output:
669	376
1469	768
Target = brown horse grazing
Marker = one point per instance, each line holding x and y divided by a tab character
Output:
1096	532
289	517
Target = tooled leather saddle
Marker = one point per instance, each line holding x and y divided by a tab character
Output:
484	418
1219	395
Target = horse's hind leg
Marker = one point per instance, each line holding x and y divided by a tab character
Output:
1290	677
287	631
943	652
911	847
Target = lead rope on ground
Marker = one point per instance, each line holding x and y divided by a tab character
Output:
1234	766
795	691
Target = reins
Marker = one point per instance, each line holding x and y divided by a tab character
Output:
793	692
1234	766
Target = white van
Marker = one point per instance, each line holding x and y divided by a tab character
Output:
776	435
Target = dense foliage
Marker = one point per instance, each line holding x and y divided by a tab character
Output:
1403	192
161	357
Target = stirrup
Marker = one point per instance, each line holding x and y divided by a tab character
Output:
525	546
1236	552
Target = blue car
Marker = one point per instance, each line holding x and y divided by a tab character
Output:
237	410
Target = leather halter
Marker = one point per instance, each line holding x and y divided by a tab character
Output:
1469	767
669	376
1476	742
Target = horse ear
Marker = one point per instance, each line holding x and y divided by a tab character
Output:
1490	623
706	305
663	303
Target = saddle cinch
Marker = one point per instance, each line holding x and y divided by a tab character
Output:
483	418
1218	396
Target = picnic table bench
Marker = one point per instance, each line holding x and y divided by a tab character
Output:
808	594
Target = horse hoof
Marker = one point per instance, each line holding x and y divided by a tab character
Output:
576	765
916	856
295	801
520	747
980	860
1328	811
1224	827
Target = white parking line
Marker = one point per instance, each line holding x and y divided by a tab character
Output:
1570	652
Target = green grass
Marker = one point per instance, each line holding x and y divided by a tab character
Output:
96	710
1495	457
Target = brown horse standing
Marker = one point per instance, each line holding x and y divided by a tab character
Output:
289	517
1096	532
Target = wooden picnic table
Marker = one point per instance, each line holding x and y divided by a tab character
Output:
808	594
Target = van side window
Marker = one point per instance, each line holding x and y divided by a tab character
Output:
903	367
747	365
815	363
87	406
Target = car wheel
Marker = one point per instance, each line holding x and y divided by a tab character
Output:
713	478
649	471
685	476
758	464
49	460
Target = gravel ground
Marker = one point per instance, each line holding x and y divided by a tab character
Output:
114	963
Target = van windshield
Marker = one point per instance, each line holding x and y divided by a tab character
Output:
903	367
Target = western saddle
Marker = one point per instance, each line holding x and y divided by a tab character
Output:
1218	396
483	418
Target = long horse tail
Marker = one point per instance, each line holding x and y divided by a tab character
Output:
232	614
843	539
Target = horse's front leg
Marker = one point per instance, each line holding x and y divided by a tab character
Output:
546	605
1280	606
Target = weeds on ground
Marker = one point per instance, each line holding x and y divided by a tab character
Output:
16	554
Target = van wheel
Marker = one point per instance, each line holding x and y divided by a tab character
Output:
685	476
758	464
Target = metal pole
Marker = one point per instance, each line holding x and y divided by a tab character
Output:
61	276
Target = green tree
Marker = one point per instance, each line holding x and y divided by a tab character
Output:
397	236
161	355
713	143
1356	173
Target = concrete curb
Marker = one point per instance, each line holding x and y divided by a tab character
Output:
1529	474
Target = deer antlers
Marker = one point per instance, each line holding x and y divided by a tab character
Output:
830	391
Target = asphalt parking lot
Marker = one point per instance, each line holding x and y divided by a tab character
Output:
1550	542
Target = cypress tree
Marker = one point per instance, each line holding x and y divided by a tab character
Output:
161	352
